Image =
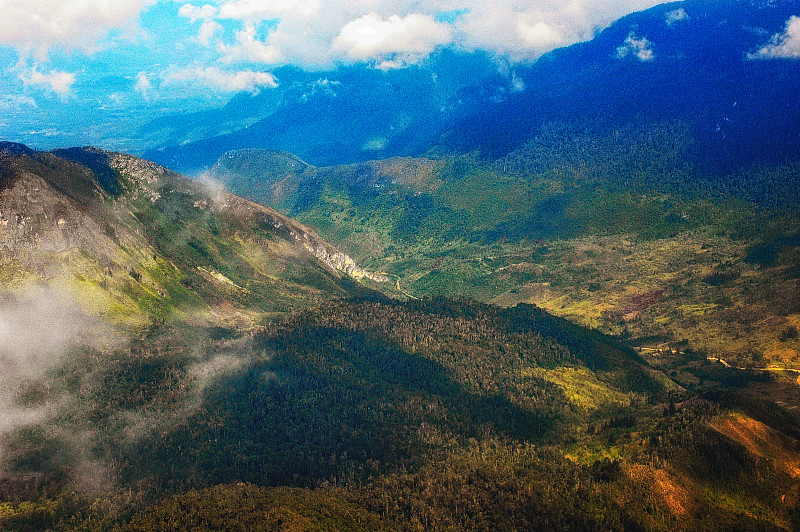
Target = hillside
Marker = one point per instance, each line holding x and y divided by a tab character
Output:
177	356
374	414
708	268
132	241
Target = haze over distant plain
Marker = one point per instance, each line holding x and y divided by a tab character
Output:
92	71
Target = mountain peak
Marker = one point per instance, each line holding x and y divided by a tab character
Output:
14	148
124	233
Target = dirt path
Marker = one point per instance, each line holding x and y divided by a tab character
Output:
767	368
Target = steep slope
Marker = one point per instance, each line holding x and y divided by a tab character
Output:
131	240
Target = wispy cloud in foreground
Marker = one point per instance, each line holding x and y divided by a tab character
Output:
36	331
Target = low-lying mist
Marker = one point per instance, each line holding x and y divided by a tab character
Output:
78	398
37	328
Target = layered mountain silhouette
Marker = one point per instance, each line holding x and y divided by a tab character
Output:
700	63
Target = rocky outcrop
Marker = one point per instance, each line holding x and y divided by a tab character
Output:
301	235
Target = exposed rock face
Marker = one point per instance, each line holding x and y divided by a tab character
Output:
119	229
148	175
300	234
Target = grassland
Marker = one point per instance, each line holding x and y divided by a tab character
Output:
700	268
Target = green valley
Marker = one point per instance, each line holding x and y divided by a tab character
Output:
671	259
436	266
219	365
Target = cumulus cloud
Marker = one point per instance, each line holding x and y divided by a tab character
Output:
193	13
391	33
37	25
220	80
785	45
57	81
675	16
265	9
249	49
638	47
392	41
207	30
539	34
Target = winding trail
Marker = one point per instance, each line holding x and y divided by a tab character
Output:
767	368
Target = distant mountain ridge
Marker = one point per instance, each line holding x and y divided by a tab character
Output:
692	62
352	114
689	61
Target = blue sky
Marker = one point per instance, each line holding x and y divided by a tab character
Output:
92	70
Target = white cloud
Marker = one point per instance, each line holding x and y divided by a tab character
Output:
784	45
392	33
255	10
249	49
220	80
57	81
143	85
638	47
37	25
208	29
193	13
675	16
539	35
393	41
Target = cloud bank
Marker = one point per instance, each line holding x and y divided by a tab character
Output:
319	34
37	25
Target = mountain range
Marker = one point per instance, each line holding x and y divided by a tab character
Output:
215	363
696	63
454	296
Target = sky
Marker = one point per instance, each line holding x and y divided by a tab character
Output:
111	64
